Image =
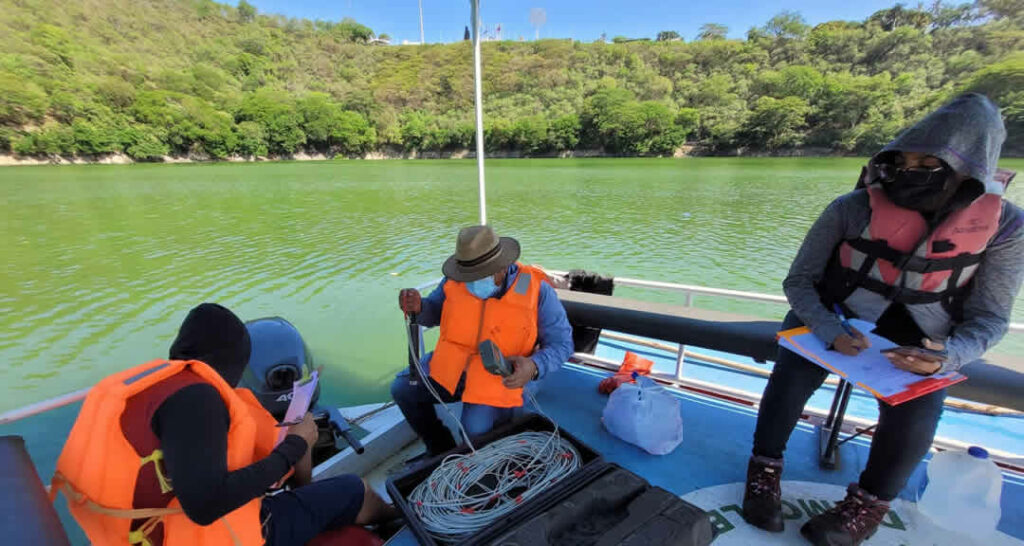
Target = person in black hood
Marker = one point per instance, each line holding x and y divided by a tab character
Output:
214	335
192	426
927	249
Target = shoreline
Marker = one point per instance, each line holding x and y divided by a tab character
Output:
11	160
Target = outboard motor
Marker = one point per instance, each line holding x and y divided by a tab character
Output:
278	359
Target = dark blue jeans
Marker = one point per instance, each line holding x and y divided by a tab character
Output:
417	405
298	515
902	438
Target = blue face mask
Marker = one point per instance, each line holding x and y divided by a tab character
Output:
482	288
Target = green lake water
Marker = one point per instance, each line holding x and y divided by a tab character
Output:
103	262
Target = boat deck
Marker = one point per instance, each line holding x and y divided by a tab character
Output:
709	467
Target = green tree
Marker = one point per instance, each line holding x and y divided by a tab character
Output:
1003	82
92	138
251	139
687	121
564	132
837	43
320	118
783	35
115	92
21	102
212	80
1002	9
712	31
352	134
246	11
23	145
6	136
530	135
54	140
898	16
143	143
275	112
351	31
777	123
668	36
598	108
414	130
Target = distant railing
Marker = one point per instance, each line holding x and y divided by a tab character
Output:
688	289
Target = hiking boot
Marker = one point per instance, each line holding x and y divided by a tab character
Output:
850	522
762	500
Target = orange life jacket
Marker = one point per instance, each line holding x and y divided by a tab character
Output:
900	257
119	494
509	321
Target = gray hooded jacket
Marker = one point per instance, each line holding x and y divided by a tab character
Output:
967	134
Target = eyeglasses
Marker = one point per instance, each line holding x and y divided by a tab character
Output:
888	172
938	169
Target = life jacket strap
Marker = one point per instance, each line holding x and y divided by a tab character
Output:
61	483
880	249
157	458
140	536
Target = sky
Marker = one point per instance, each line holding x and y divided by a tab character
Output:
445	20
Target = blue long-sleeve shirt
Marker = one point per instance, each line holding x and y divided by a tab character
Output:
554	333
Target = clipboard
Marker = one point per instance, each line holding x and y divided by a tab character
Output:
301	396
870	370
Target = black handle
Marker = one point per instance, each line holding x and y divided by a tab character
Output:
340	427
414	349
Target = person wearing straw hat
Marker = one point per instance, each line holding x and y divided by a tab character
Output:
485	294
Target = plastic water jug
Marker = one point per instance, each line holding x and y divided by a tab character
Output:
963	493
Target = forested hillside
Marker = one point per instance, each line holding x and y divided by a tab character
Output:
151	78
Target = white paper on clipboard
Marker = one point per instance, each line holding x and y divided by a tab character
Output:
302	395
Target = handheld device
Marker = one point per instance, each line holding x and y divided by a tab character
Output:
493	360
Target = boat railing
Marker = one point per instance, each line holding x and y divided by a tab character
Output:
682	354
689	290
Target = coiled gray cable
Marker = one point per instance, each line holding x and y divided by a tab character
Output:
467	492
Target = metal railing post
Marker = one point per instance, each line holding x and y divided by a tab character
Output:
680	359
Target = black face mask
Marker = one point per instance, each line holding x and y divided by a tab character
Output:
920	190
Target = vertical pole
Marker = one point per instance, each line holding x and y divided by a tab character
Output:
423	40
479	111
680	358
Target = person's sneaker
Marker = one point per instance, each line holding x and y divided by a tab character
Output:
850	522
762	499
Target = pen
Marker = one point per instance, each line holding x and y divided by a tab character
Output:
843	320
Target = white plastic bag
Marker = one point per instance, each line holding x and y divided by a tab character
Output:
645	415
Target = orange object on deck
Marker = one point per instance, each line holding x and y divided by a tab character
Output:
631	363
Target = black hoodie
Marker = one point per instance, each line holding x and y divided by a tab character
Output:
192	424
